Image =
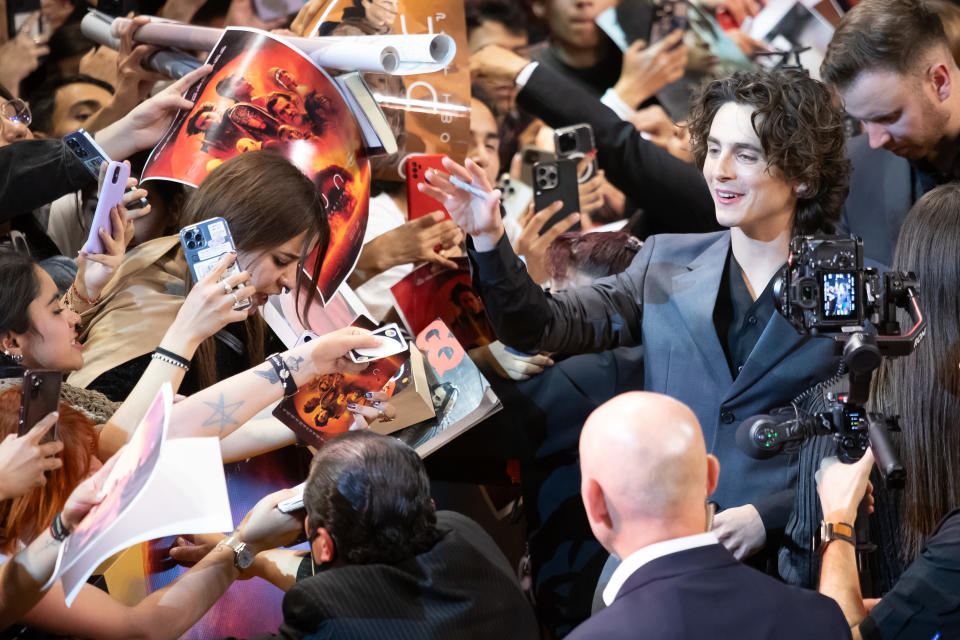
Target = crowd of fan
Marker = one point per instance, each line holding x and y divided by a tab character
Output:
626	359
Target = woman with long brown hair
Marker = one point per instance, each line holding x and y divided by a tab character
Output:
276	218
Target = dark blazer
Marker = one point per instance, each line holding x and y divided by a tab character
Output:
461	588
706	593
671	192
665	301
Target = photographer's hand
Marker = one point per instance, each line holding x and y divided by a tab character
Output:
740	530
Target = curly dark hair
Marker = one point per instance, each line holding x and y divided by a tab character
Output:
372	495
800	130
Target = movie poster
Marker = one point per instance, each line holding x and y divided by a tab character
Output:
264	94
429	113
318	411
433	291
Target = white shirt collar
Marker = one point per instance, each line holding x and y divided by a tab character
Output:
651	552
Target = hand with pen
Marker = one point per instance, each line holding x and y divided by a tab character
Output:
474	205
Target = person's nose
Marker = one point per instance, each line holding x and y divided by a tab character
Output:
12	131
877	134
725	167
288	276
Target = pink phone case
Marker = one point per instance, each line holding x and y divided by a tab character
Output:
114	184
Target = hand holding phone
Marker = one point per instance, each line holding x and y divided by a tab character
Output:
296	502
39	397
420	204
204	245
553	181
111	193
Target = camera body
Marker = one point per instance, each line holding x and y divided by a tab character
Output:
824	287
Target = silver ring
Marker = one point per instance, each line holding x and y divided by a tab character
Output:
227	289
236	300
382	417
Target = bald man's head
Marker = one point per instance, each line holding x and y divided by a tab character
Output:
645	468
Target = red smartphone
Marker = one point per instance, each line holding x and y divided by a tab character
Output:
420	204
39	396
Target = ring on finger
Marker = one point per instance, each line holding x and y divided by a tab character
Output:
382	417
227	289
236	300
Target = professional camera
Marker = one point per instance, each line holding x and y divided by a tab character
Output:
824	290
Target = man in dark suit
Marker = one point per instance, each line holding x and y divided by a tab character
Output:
646	481
383	564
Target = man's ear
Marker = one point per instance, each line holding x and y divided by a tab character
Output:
939	76
321	547
595	504
713	473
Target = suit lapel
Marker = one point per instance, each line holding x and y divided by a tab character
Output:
691	292
777	341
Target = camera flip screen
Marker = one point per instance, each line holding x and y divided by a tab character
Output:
839	295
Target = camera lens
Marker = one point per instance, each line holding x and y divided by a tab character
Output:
191	245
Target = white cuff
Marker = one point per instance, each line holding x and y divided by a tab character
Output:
613	100
524	76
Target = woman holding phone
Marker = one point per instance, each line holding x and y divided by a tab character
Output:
276	219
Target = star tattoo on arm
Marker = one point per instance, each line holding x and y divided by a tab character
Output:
222	415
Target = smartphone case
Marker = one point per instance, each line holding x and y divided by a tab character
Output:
576	142
82	145
420	204
111	193
204	244
552	181
39	395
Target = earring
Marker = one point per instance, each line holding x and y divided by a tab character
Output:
801	189
15	357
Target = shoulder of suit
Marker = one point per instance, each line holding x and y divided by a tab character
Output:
685	244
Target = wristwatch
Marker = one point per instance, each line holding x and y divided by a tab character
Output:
242	555
830	531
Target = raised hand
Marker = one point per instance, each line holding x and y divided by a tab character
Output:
532	245
414	241
96	270
481	219
646	70
209	306
24	461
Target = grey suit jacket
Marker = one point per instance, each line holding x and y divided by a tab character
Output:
664	301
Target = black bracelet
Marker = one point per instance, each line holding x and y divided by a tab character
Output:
167	356
280	367
57	531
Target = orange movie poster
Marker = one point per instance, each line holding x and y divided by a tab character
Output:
429	113
264	94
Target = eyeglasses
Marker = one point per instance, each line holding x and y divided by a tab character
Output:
16	110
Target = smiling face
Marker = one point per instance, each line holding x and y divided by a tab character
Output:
746	192
51	341
904	115
272	270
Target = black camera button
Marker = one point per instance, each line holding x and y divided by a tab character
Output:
726	416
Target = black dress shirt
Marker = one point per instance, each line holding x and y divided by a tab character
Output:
739	319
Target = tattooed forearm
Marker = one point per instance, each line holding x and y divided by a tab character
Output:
293	363
222	414
269	375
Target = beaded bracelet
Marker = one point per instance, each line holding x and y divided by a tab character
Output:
169	357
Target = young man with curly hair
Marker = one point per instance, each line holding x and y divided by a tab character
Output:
770	147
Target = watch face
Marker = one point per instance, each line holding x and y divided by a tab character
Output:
244	557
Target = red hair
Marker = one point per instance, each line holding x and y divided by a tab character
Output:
25	517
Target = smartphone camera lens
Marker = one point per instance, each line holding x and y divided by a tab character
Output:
191	245
116	174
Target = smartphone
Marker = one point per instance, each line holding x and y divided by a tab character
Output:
393	343
415	168
530	156
576	142
204	244
111	193
516	196
668	16
39	396
82	145
556	180
294	503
